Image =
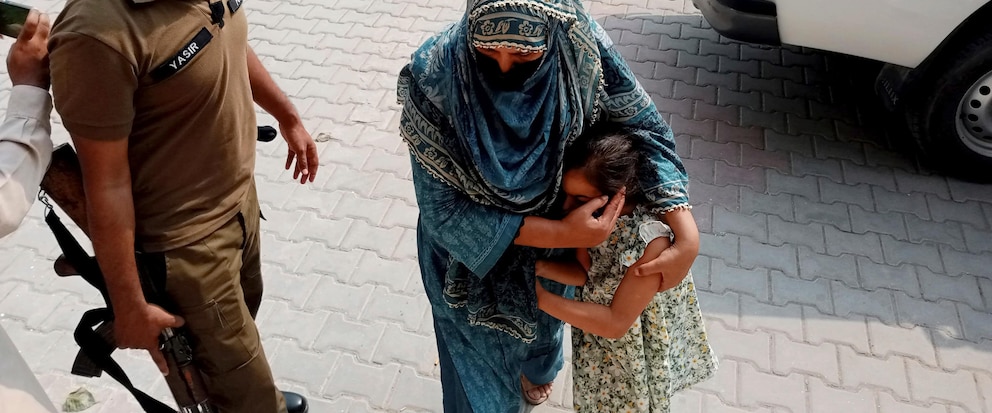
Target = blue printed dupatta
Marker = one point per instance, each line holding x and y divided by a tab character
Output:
505	149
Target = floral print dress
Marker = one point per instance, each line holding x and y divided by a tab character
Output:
666	349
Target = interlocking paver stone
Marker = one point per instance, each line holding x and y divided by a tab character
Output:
354	378
985	388
780	205
969	212
308	368
956	262
742	346
723	385
975	323
940	315
842	242
866	220
902	252
955	356
816	266
963	288
831	192
858	371
339	333
724	307
977	240
835	215
787	289
817	360
828	168
888	404
946	233
730	175
724	247
757	255
407	349
836	150
953	388
758	388
965	191
786	319
913	342
413	391
827	399
753	282
822	328
875	304
910	203
754	226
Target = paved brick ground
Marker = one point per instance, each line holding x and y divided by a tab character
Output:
835	274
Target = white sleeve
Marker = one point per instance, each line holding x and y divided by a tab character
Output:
654	229
25	152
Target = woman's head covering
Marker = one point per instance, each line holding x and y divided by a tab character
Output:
503	147
515	27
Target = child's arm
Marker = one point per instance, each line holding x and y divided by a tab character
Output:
582	256
631	298
672	263
568	273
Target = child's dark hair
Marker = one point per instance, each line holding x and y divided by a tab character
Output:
610	159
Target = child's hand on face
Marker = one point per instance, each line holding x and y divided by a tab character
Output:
583	228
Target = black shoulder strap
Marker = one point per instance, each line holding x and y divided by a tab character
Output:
98	351
91	344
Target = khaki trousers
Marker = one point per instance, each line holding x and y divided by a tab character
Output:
216	285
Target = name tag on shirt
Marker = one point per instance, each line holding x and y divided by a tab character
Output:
183	57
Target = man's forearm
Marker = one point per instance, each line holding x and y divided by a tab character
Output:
266	92
111	227
25	151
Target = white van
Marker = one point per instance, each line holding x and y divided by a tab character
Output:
937	55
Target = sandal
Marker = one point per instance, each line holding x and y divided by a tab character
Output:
530	389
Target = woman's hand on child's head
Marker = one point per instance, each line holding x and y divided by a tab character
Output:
583	229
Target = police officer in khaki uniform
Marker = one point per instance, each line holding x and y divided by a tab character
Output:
158	97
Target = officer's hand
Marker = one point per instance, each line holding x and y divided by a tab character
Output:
139	328
301	148
27	61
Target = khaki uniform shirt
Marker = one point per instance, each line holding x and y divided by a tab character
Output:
163	76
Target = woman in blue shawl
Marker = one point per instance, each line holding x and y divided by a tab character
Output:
489	106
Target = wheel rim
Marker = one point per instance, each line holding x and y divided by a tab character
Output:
974	122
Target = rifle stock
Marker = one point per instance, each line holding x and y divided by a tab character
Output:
64	185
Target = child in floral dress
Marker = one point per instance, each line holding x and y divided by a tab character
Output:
633	347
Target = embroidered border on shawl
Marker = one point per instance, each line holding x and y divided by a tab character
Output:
516	327
563	13
525	49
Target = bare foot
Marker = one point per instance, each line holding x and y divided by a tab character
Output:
535	394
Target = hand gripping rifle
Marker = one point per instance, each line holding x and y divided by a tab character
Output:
63	185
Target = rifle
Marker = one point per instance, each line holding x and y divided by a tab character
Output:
63	184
